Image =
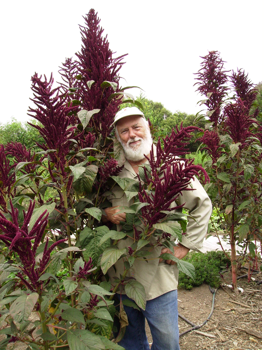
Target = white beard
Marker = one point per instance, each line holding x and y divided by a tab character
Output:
138	152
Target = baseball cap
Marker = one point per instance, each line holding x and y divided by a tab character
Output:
130	111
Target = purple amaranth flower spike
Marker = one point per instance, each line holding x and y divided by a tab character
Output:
20	240
7	178
212	141
244	88
84	272
21	154
52	111
96	63
110	168
238	123
211	83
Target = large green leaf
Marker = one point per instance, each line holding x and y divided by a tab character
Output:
136	292
142	243
69	286
110	257
96	290
94	212
243	231
114	235
36	214
103	313
109	345
77	171
223	176
173	228
85	182
84	340
73	315
92	247
22	307
127	184
85	116
234	148
185	267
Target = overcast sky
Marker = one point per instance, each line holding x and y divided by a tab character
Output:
164	41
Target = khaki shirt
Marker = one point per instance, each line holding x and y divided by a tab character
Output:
159	278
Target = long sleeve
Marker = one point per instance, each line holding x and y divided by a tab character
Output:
200	209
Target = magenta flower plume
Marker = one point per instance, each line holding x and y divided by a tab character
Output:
52	111
110	168
211	83
244	88
238	123
25	243
212	141
7	178
21	154
95	65
85	271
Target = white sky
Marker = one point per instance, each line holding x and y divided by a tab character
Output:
164	40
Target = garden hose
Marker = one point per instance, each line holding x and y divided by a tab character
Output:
195	327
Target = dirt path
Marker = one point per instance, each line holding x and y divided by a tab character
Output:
236	322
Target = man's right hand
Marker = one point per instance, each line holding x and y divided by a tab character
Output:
111	215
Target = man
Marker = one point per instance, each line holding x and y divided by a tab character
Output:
160	279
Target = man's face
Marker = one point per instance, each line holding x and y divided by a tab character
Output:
134	136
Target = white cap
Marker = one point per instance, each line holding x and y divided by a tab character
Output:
127	112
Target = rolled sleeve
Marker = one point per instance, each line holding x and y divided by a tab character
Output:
200	210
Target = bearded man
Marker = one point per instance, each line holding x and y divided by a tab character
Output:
159	278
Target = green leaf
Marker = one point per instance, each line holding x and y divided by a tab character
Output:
97	290
46	276
84	340
243	231
85	116
129	303
94	212
92	247
244	204
223	176
22	307
109	345
136	292
173	228
61	252
127	184
234	148
47	336
73	315
90	83
138	206
106	84
142	243
185	267
22	164
79	263
77	171
7	300
228	209
69	286
130	195
38	212
110	257
103	313
85	183
114	235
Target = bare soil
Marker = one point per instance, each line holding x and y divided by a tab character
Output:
236	321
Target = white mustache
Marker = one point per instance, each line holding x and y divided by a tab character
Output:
132	140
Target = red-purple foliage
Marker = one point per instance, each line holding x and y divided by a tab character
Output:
84	272
7	178
211	83
244	88
96	63
52	111
21	154
212	141
25	243
169	177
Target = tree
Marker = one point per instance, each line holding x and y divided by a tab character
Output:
16	131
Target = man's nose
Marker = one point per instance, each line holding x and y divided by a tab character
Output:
132	133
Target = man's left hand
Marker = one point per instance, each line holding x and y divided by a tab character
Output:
179	252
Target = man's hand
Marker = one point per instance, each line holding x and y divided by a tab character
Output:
111	215
179	252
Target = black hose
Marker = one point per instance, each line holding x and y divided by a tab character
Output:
195	327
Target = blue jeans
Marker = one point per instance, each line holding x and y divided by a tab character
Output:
162	316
